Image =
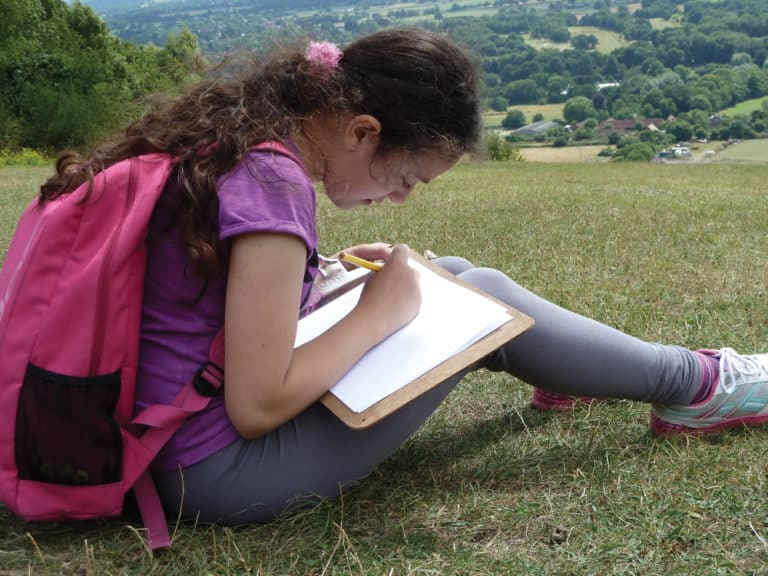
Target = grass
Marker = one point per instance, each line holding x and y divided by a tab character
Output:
745	108
607	40
674	254
744	151
661	23
17	187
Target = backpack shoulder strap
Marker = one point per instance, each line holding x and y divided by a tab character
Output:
279	148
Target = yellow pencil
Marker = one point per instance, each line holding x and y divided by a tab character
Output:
361	262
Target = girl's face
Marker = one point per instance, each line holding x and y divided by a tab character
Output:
353	180
355	174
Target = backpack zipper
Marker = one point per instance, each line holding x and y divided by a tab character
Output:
105	284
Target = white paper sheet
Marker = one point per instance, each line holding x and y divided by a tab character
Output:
450	320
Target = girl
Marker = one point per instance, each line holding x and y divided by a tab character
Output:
234	244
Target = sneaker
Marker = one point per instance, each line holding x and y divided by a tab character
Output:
544	400
740	398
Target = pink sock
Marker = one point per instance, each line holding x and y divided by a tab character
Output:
710	374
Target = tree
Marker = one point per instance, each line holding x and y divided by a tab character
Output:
625	107
522	92
556	85
740	58
182	55
637	29
498	103
680	94
66	80
701	101
680	130
653	67
577	109
584	42
83	20
599	101
514	119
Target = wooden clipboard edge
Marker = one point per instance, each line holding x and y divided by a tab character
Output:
518	324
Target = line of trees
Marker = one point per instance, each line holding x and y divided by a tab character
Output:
66	80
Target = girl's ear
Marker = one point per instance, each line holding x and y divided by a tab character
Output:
362	130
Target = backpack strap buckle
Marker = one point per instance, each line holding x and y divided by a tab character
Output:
209	379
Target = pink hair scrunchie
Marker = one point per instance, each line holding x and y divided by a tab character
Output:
324	54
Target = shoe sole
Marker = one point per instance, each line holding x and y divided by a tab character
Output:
663	428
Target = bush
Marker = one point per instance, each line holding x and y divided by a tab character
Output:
583	134
501	150
23	157
635	152
607	151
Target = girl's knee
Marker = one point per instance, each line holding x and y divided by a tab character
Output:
487	279
453	264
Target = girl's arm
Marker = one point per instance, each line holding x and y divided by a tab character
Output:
267	381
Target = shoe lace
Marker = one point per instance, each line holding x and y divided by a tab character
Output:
734	366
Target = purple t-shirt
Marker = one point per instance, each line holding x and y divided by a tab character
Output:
181	313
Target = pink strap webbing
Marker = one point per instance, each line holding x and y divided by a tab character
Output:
151	509
162	422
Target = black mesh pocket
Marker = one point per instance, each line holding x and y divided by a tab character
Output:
65	432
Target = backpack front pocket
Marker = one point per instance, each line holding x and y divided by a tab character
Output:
65	431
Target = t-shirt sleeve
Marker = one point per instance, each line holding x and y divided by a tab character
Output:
268	192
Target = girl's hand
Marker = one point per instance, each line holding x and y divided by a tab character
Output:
269	380
372	252
392	297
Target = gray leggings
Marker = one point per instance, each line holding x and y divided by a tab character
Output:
314	455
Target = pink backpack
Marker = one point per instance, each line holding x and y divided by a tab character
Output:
70	308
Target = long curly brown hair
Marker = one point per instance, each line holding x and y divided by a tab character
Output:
422	87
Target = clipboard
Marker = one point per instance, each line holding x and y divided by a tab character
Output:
517	324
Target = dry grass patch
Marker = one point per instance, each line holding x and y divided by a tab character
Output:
564	154
548	112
